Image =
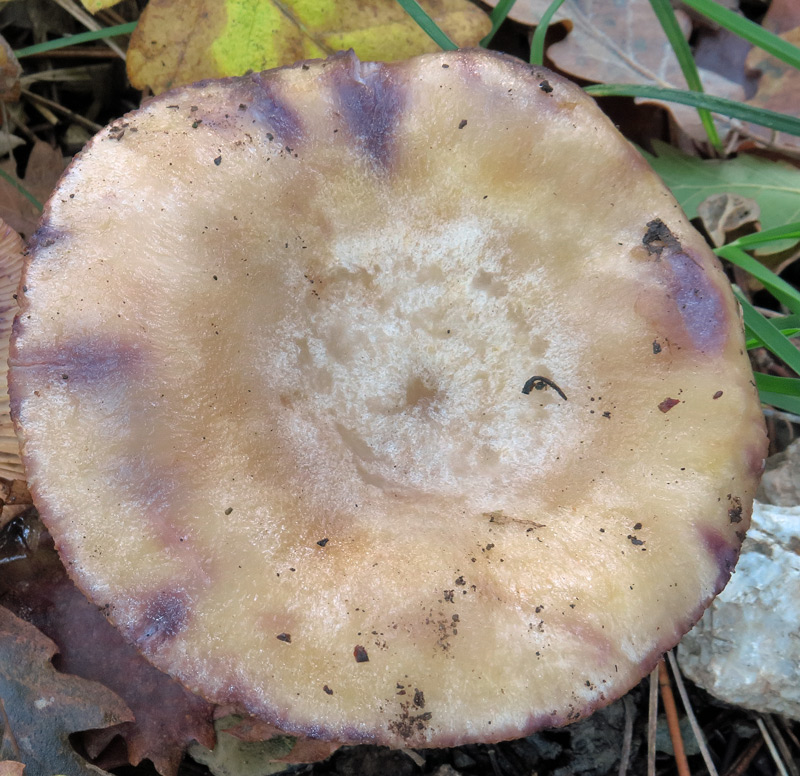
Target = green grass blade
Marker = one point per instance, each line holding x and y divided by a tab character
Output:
74	40
748	30
760	328
781	392
776	285
537	44
751	344
786	322
780	402
758	239
21	189
498	16
428	25
738	110
669	23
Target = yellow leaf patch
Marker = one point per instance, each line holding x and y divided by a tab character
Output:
181	41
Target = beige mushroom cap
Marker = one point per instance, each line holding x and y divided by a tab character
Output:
269	374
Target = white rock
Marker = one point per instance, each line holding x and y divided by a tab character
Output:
746	648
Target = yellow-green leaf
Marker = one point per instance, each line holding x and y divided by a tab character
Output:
177	43
93	6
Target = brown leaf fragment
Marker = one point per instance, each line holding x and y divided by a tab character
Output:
612	42
11	262
11	768
43	707
778	90
250	730
44	168
167	716
724	214
10	71
781	16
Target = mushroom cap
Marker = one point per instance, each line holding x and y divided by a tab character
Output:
395	402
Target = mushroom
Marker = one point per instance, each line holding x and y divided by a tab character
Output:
393	403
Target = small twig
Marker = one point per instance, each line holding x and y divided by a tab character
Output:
77	118
652	723
781	415
70	74
627	736
783	747
698	733
745	758
789	732
418	759
88	21
671	712
76	52
493	761
776	756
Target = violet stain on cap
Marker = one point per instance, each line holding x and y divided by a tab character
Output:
371	102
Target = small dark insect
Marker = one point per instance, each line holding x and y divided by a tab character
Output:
540	383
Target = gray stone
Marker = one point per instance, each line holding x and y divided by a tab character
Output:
746	648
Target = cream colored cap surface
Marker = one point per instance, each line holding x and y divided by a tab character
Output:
391	402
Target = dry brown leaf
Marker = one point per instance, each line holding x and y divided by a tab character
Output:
45	166
778	90
10	71
167	717
723	215
781	16
612	42
179	42
11	261
251	730
11	768
41	707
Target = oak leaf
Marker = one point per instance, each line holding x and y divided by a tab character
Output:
167	716
41	707
176	43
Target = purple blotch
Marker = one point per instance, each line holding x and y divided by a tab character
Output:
371	102
698	301
164	618
269	109
84	361
724	553
44	237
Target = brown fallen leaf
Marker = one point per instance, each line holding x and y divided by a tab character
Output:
167	716
10	71
11	768
723	215
179	42
612	42
778	90
11	262
252	730
41	707
781	16
45	166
